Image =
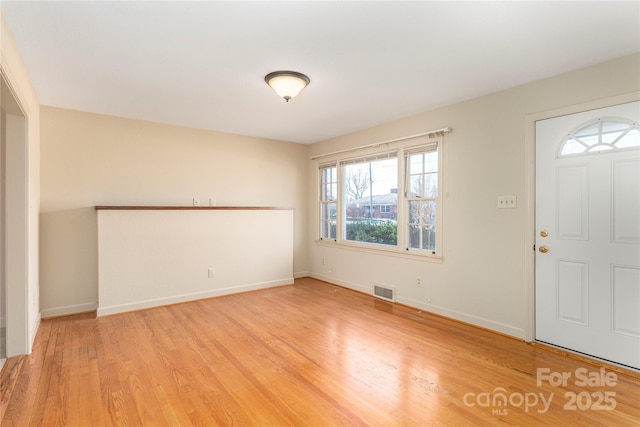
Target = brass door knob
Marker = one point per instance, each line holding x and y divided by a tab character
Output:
543	249
544	233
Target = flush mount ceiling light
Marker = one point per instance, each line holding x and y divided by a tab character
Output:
287	84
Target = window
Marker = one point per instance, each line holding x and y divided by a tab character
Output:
390	200
601	135
369	184
421	192
328	197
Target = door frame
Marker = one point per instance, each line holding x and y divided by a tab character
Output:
15	219
530	212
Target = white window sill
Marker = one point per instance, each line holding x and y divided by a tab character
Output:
391	251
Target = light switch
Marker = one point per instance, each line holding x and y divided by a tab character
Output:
507	202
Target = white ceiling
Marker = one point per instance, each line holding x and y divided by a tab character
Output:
202	64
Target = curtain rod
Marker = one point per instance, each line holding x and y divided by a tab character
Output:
376	144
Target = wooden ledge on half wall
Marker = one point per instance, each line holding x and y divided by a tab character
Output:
191	208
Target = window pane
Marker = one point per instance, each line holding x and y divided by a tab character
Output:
422	221
428	212
422	237
615	127
588	134
423	178
431	161
429	238
415	163
431	185
328	187
328	211
328	184
572	147
325	175
422	212
608	138
328	220
600	148
415	187
328	191
414	212
371	201
324	191
329	230
631	139
414	236
324	233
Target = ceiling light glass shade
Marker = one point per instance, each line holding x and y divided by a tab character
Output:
287	84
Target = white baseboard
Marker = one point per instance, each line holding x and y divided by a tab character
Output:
346	284
470	319
299	274
68	309
441	311
34	332
140	305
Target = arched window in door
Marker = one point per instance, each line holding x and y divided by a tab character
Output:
602	134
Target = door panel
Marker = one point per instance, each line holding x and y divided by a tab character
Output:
588	224
626	202
573	293
625	291
572	203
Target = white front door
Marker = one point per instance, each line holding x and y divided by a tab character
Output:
588	233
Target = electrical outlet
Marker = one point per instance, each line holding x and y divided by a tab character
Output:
418	281
196	201
324	261
211	273
507	202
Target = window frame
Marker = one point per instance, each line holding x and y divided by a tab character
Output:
400	148
424	149
325	203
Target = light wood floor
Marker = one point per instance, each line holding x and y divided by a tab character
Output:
309	354
3	342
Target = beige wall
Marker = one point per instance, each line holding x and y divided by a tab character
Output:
483	277
90	159
23	190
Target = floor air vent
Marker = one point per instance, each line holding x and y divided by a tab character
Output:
387	294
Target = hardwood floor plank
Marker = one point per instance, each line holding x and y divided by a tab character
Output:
8	379
311	354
